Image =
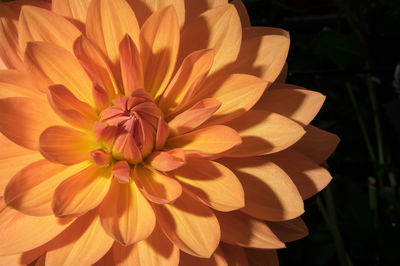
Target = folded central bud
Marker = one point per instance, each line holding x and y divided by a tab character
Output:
129	127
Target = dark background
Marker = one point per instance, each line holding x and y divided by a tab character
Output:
348	50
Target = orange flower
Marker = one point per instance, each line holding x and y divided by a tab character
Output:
138	132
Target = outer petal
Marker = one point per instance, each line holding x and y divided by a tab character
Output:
193	9
269	193
309	177
125	214
159	44
24	258
190	225
234	255
239	229
212	183
83	243
292	101
288	231
253	32
16	83
241	9
217	259
57	30
81	192
317	144
74	9
259	257
263	133
22	120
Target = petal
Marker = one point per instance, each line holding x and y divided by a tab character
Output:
309	177
234	255
22	259
167	161
263	132
252	32
125	255
239	229
317	144
122	172
65	145
211	183
269	192
219	29
74	9
217	259
207	141
260	257
162	134
292	101
159	44
10	53
83	243
193	9
107	23
190	225
58	30
33	196
289	231
194	116
16	83
242	11
22	120
126	215
51	64
157	187
81	192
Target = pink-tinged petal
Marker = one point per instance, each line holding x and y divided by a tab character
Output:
189	225
22	120
241	230
253	32
260	257
242	11
125	214
317	144
206	141
65	145
217	259
101	97
105	133
10	53
131	66
83	243
309	177
81	192
291	101
211	183
95	64
51	64
187	80
218	29
33	196
20	233
100	157
162	134
124	147
288	231
122	172
69	108
234	255
168	160
263	132
157	187
58	30
269	192
194	116
159	44
107	23
73	9
16	83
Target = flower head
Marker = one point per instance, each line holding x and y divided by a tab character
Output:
150	133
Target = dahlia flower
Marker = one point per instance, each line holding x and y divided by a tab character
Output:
138	132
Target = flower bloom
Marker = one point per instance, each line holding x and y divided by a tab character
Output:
138	132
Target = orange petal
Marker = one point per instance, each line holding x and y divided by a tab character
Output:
74	9
260	257
22	120
22	259
16	83
283	75
234	255
219	29
157	187
107	259
125	214
212	183
289	231
83	243
194	116
193	9
65	145
33	196
269	192
317	144
69	108
167	161
241	230
252	32
162	134
309	177
58	30
187	80
263	132
107	23
159	44
242	11
20	233
292	101
122	172
206	141
81	192
190	225
217	259
51	64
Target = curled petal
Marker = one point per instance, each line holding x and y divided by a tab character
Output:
167	161
122	172
241	9
162	134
